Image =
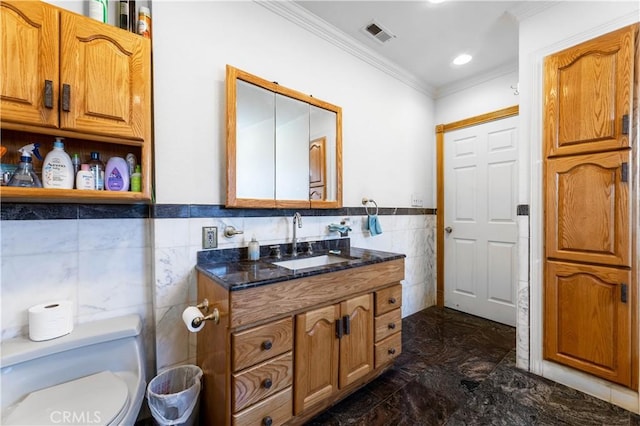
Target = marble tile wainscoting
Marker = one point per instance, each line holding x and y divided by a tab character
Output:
113	260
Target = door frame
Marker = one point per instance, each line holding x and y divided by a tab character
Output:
441	129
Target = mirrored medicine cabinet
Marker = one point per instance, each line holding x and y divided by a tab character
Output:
284	148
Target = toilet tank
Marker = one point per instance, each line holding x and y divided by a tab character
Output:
113	344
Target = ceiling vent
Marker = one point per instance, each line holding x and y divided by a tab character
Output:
379	32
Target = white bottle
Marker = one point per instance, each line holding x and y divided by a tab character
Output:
57	169
254	249
84	178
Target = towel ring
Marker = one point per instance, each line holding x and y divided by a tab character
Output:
366	201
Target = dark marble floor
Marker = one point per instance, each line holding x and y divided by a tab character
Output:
457	369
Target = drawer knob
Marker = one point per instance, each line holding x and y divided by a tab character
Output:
267	421
266	345
392	300
267	383
392	326
392	351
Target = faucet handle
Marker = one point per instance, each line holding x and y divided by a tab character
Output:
276	250
309	247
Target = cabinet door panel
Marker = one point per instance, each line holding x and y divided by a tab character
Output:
356	347
108	71
588	90
588	209
588	319
29	34
316	357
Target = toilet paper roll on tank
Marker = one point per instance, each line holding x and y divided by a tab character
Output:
50	320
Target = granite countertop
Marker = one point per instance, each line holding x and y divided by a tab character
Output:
230	268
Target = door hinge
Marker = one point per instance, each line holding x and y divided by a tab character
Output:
624	293
625	124
624	172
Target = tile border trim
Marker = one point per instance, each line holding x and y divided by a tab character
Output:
42	211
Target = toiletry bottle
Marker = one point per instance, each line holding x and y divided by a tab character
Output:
116	175
57	169
98	10
124	14
24	176
76	161
254	249
97	168
136	180
144	22
132	162
84	178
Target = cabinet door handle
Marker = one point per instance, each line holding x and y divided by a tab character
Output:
392	300
624	172
339	331
66	97
266	345
392	351
392	326
48	94
347	324
267	421
625	124
624	293
267	383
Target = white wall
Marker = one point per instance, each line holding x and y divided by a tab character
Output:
540	35
388	127
491	95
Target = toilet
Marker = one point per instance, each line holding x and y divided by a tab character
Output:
93	376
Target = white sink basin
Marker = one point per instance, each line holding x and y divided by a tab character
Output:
310	262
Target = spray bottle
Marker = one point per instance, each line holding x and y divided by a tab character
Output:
24	176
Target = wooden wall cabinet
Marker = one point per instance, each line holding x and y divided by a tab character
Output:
284	352
590	173
68	75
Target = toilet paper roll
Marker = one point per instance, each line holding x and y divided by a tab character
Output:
188	315
50	320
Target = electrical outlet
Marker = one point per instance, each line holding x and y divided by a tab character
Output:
209	237
416	200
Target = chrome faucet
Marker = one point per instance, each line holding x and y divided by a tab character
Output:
294	247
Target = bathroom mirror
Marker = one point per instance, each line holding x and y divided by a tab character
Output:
283	147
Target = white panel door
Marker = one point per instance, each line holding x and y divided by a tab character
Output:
480	263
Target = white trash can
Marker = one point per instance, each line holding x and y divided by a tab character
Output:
174	396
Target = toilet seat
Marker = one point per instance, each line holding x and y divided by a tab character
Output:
98	399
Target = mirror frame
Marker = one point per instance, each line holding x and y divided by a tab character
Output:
232	75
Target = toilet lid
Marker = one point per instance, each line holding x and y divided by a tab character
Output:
96	399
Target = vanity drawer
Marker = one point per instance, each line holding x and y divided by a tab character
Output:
261	343
388	299
388	349
387	324
261	381
275	410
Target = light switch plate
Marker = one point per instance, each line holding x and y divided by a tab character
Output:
209	237
416	200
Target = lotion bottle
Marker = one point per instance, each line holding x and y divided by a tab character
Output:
84	178
116	175
57	169
254	249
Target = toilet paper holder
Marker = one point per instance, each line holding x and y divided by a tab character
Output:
213	316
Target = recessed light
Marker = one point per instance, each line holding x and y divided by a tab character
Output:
462	59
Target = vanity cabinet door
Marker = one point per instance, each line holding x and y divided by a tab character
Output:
316	356
356	345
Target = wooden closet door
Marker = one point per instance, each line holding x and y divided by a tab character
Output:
588	209
588	91
588	319
356	346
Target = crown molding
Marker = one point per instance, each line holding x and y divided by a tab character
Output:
527	9
312	23
457	86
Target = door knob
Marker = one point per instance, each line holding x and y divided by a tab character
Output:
448	229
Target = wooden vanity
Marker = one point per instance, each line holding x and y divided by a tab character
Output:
285	351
